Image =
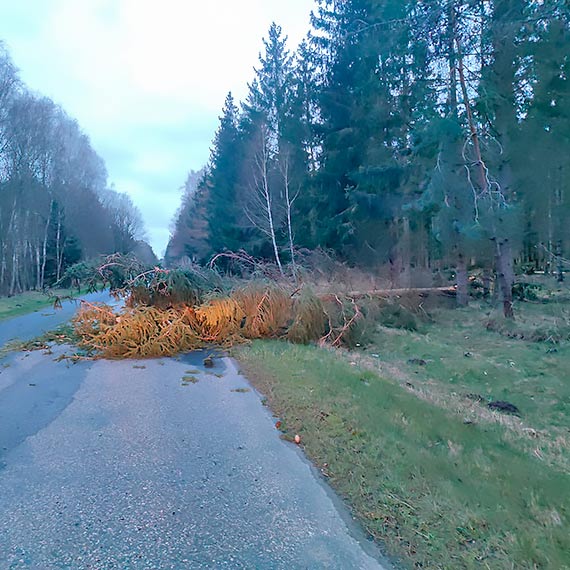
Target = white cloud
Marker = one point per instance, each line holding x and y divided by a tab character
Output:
145	79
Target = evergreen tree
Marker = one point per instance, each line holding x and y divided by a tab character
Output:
413	134
270	91
541	145
223	211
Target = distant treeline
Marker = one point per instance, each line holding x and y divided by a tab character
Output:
55	205
411	133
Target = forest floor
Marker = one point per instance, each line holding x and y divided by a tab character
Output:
31	301
403	431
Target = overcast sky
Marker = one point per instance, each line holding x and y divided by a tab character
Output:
146	79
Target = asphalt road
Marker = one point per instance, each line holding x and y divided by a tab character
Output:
123	465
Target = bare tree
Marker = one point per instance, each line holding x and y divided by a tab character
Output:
260	209
291	194
128	223
51	191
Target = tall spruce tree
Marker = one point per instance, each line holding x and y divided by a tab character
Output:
221	182
270	91
267	181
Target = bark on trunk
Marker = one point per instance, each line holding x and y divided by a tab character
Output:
44	249
486	283
38	268
395	268
505	276
59	249
560	263
15	269
3	265
405	248
462	280
272	231
289	204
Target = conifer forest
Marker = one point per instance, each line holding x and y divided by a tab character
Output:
418	137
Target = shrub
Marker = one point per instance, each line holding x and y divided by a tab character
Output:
397	316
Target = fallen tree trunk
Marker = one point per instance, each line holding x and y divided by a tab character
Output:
381	293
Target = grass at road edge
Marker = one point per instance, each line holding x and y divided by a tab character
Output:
30	302
436	492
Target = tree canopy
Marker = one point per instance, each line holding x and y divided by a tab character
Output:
418	135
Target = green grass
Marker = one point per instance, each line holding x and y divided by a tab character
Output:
437	490
29	302
463	357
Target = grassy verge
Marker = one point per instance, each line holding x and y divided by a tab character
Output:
465	366
30	301
438	491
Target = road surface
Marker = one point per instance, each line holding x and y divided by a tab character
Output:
124	465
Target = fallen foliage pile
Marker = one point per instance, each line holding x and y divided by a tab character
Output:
248	313
168	311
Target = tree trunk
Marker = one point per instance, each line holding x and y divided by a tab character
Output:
38	268
44	249
58	249
395	267
3	265
504	259
271	223
289	205
486	283
15	269
505	276
462	280
275	247
405	248
560	264
264	198
11	253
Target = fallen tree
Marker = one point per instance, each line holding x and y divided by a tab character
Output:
168	311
